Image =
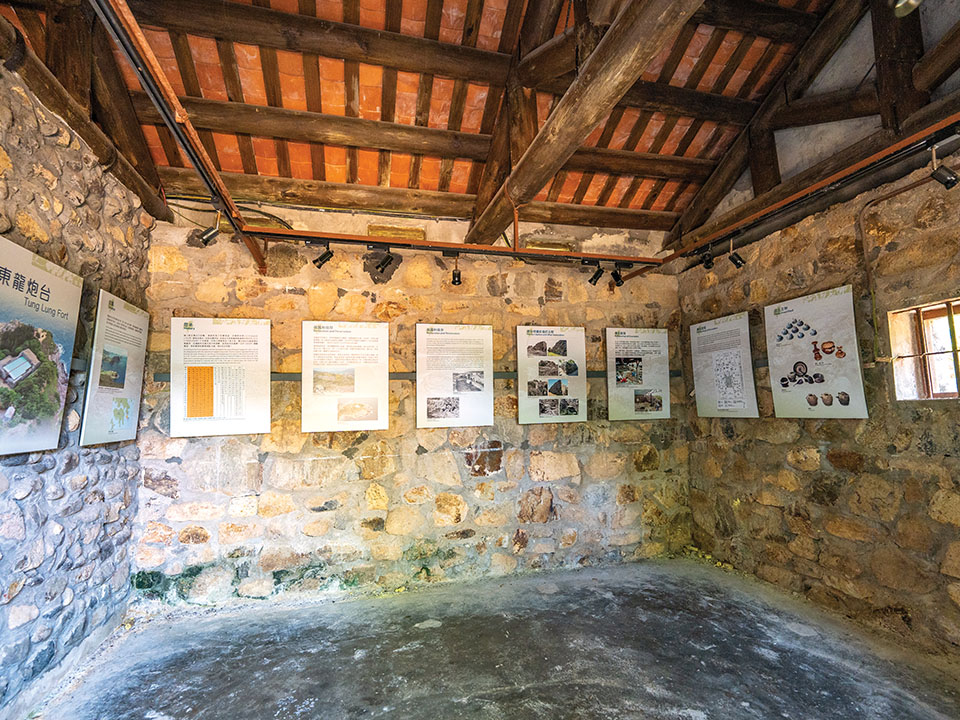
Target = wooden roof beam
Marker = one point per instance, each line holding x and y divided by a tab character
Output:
638	34
431	203
940	62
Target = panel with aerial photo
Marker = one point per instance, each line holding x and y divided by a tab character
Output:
354	409
39	306
334	381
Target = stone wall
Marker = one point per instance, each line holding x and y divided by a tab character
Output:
860	516
65	515
290	512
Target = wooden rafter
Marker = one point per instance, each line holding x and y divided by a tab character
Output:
425	89
940	62
834	28
898	47
638	34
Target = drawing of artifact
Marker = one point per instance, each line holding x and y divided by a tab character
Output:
784	382
827	399
828	347
818	377
840	352
812	400
800	368
816	351
843	398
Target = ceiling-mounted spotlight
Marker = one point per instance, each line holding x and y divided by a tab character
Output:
210	234
595	278
617	277
456	279
706	259
384	263
738	262
941	173
323	258
904	7
946	177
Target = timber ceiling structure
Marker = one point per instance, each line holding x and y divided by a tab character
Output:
428	106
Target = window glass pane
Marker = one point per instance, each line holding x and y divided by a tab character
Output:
943	379
903	333
936	330
907	378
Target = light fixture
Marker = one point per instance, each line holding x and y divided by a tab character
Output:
738	262
706	259
384	262
210	234
323	258
595	278
941	173
946	177
617	277
904	7
455	279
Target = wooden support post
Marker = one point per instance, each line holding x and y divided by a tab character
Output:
898	47
70	48
764	163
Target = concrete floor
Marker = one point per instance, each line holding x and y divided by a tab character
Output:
657	640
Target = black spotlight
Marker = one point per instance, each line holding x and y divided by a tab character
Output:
384	263
595	278
456	280
323	258
617	277
738	262
210	234
946	177
706	259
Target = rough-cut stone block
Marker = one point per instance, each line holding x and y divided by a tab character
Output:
536	506
945	507
549	466
193	511
272	504
449	509
403	521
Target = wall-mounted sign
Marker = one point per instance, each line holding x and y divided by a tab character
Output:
814	356
551	374
219	376
723	367
346	376
454	375
39	308
115	376
638	374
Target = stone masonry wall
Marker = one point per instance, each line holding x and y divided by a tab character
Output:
291	512
860	516
65	515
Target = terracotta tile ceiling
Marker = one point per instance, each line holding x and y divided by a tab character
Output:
705	58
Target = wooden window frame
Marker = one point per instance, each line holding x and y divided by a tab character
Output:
932	311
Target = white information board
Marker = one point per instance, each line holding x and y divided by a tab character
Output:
551	374
39	308
814	356
723	368
346	376
638	374
111	407
454	375
219	376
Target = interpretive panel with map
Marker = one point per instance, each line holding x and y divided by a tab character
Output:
115	375
723	368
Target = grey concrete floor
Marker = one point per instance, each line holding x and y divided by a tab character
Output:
673	640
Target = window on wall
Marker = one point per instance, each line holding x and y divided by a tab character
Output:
926	362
